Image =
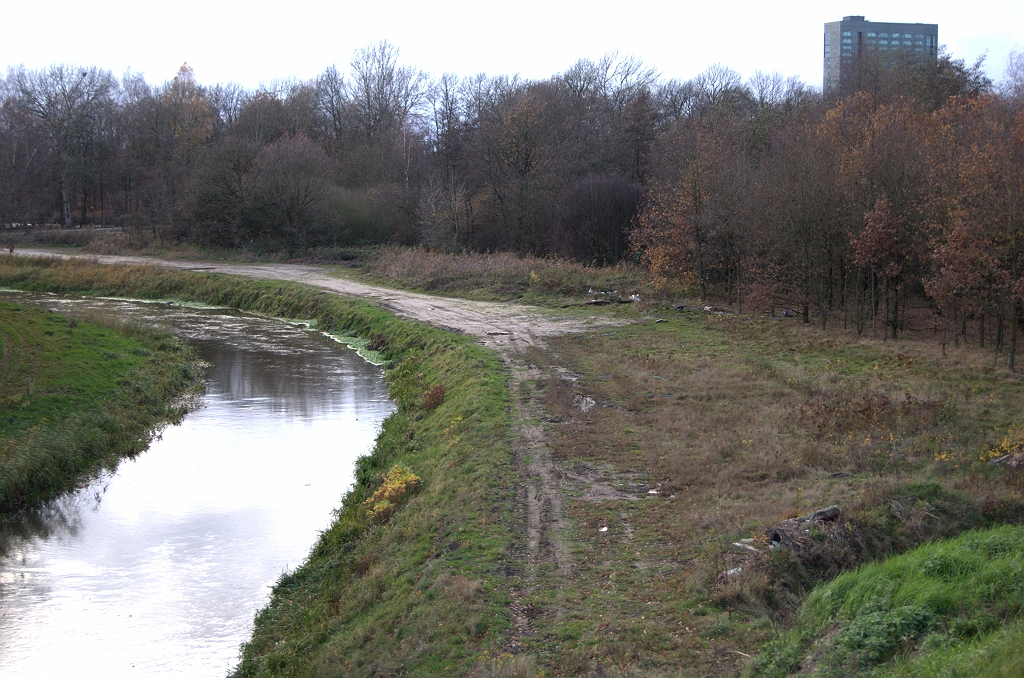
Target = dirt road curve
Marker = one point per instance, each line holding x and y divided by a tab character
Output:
499	325
509	329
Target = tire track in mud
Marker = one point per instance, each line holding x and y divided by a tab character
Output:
539	492
507	328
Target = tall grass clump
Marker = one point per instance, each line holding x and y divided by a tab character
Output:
499	275
944	599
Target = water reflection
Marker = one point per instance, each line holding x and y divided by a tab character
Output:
157	569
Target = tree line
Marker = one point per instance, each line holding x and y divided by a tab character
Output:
904	185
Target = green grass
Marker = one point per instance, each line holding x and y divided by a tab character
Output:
994	655
76	396
738	423
424	591
939	605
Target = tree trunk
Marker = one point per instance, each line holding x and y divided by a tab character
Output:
1014	315
945	322
65	201
956	333
999	337
874	306
885	314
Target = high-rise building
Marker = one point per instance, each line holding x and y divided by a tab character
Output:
847	40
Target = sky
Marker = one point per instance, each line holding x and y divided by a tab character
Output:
258	42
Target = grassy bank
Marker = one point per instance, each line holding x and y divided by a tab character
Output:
948	608
76	396
415	578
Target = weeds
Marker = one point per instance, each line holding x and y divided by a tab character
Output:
398	483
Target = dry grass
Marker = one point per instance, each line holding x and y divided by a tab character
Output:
434	396
736	425
499	275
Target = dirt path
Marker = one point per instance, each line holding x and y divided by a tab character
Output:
498	324
508	328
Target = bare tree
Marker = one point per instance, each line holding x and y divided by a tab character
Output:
447	121
68	100
1013	86
228	101
332	99
443	213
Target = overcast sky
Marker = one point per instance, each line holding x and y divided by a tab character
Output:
254	42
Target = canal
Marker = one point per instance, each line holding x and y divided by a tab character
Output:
158	567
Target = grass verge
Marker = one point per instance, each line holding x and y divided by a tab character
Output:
76	396
937	610
410	576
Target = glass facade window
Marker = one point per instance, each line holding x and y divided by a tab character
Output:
887	40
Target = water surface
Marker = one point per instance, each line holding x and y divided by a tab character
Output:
159	567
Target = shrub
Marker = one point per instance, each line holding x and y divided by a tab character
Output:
434	397
398	483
